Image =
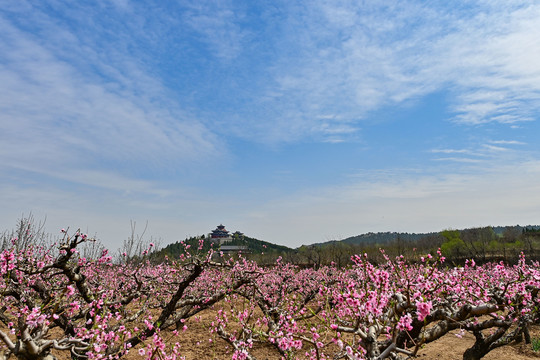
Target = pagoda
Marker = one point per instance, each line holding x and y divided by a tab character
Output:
220	235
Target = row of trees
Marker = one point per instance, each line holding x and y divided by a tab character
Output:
480	244
55	299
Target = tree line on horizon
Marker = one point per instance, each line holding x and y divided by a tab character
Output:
482	244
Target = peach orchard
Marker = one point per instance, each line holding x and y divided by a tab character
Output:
54	300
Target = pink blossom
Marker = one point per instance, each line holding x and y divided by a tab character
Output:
423	309
405	322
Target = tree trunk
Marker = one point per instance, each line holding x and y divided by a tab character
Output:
26	356
475	352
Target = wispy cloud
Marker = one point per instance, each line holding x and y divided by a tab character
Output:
451	151
352	60
501	75
301	62
507	142
459	159
217	24
58	116
493	148
498	151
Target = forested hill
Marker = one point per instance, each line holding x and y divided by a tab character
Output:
387	237
253	246
464	242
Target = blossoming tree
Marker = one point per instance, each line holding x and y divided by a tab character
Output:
53	299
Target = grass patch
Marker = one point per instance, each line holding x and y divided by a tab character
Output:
535	343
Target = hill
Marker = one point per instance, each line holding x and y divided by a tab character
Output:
386	237
456	244
248	245
382	238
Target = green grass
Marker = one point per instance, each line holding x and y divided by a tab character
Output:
535	342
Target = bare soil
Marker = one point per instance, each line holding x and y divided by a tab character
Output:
198	343
450	347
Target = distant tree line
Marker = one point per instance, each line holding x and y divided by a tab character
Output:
481	244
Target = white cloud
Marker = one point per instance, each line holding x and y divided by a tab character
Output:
334	140
301	62
352	59
490	153
216	22
492	148
507	142
451	151
491	61
459	159
58	118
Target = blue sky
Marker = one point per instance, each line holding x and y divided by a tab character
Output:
294	122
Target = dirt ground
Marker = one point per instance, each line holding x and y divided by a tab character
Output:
451	347
195	345
198	344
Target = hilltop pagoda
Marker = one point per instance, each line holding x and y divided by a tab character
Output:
220	235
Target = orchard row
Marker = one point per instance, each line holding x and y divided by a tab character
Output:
53	300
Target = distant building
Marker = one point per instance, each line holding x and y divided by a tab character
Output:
223	238
220	235
238	235
233	249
